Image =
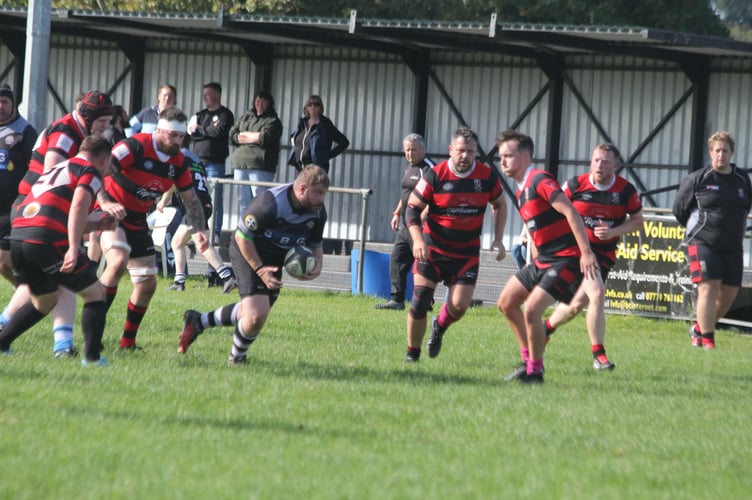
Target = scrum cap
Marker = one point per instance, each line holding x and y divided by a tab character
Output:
94	104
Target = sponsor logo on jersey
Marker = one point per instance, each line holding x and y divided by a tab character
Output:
148	164
250	222
120	151
31	210
65	143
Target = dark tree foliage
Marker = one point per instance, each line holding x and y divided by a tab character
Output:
692	16
736	12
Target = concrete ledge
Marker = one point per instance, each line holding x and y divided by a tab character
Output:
336	276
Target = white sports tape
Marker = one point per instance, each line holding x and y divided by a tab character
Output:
118	244
172	125
141	274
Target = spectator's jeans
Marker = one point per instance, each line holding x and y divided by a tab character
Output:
247	193
519	252
217	170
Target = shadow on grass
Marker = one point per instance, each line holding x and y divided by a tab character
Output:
236	424
408	373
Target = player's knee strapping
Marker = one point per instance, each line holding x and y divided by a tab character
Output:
422	298
117	244
142	274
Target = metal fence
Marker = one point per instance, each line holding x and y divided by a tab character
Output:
365	194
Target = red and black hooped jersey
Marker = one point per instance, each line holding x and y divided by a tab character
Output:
456	206
547	227
143	174
608	206
63	137
42	217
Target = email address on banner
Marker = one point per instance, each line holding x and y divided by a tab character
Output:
626	305
638	277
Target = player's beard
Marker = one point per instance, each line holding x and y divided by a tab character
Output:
169	148
462	168
8	117
310	207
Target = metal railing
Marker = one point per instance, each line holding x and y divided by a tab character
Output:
365	194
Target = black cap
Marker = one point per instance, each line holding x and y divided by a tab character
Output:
7	91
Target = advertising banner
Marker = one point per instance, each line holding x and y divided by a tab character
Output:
651	275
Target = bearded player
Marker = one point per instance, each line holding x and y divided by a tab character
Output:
146	166
446	246
276	221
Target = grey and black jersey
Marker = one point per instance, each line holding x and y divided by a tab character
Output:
275	227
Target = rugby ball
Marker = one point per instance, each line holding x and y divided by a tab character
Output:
299	261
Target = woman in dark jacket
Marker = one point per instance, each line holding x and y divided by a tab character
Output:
312	140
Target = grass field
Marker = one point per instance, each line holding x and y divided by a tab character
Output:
326	409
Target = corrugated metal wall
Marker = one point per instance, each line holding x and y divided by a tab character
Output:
730	107
371	98
78	65
8	65
628	97
190	65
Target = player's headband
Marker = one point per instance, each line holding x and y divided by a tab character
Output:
172	125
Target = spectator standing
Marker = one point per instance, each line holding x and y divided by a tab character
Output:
256	137
401	258
447	246
610	207
313	138
209	130
713	204
17	138
562	256
147	165
278	220
146	119
46	245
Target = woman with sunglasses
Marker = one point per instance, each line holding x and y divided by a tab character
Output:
314	137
